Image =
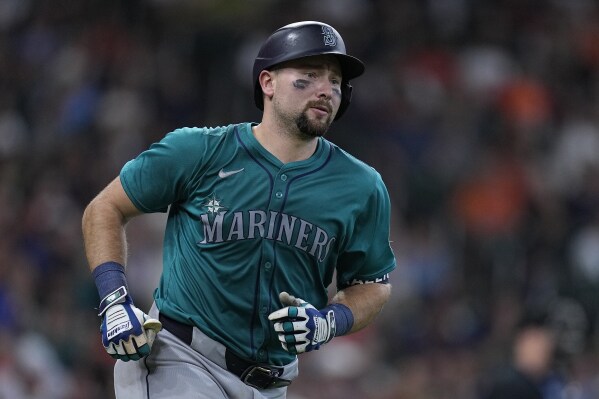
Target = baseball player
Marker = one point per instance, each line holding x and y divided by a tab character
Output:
262	217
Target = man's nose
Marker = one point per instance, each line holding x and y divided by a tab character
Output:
325	89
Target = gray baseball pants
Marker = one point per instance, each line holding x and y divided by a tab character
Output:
180	371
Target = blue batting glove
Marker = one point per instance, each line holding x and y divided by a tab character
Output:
301	327
127	332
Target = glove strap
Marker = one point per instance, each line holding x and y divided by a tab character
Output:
109	278
340	318
117	296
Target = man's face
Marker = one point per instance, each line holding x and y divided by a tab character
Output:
308	93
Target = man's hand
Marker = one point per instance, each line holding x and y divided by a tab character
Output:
300	326
127	332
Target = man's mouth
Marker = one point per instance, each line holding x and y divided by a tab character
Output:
321	108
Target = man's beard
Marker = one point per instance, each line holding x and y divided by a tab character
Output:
310	128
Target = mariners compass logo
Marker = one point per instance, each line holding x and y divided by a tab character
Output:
213	205
330	39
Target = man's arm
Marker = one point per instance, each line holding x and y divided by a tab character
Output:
104	223
365	302
302	328
127	332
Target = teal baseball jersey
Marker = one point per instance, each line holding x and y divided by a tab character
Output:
242	227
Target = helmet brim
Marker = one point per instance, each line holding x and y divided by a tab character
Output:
351	67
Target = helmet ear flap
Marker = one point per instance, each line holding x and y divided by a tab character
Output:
346	90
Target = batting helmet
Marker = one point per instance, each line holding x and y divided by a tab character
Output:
304	39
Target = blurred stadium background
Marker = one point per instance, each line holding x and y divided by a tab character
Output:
482	117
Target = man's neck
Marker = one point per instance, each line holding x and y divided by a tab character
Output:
285	146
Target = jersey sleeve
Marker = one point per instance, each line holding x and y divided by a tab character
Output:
368	256
159	176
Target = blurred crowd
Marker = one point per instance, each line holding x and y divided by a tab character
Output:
481	116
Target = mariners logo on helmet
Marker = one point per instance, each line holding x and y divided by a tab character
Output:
330	39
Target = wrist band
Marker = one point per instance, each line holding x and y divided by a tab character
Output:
109	277
344	318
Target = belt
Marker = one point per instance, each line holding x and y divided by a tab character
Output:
256	375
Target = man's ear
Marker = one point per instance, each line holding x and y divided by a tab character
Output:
267	83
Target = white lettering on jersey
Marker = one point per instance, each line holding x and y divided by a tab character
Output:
284	228
213	232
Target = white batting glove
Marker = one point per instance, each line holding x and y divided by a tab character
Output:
300	326
127	332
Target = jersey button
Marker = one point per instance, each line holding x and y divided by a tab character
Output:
267	265
283	177
279	194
